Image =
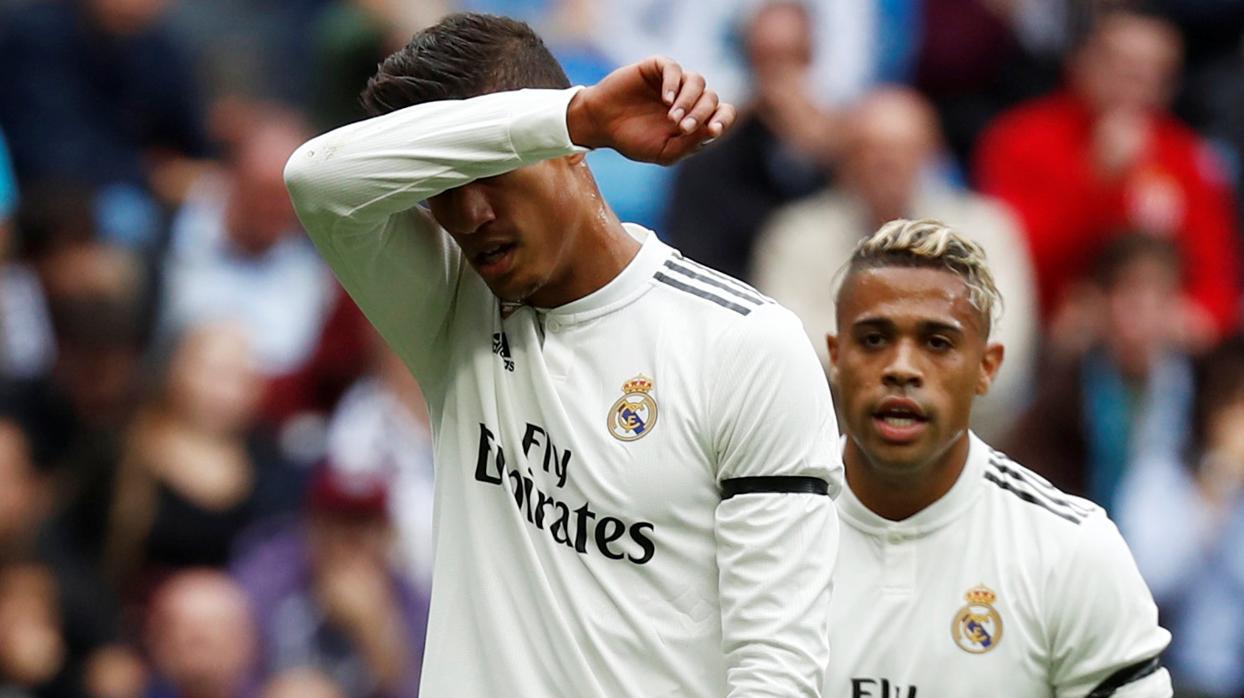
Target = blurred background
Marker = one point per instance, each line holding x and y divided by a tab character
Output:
215	482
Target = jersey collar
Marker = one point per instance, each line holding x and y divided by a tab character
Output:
932	517
628	285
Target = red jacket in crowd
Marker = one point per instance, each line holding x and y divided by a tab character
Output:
1039	158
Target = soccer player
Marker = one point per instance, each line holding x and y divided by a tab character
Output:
960	572
634	452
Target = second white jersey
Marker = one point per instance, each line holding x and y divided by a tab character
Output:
1004	587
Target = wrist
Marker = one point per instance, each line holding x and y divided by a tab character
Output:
580	122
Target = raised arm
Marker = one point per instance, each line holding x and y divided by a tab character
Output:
777	528
357	191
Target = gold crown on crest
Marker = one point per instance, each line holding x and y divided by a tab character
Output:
981	595
638	384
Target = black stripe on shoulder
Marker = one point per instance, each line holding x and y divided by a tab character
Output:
1124	676
706	279
701	293
1046	491
1028	497
722	276
1001	459
780	484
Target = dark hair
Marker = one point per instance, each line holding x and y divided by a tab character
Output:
1086	18
1126	249
464	55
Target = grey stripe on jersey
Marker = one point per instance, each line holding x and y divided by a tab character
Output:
706	279
722	277
702	293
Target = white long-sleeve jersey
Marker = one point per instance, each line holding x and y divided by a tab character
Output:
1003	587
583	544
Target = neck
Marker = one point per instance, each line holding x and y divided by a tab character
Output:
897	493
601	250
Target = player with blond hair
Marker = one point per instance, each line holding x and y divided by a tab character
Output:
960	572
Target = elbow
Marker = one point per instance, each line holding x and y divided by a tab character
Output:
301	177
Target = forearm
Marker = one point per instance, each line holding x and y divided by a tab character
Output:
776	555
362	173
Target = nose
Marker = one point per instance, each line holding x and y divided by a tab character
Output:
903	369
463	210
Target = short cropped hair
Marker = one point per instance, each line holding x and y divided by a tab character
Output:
464	55
931	244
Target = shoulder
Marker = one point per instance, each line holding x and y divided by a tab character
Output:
1032	499
1030	128
1041	110
708	296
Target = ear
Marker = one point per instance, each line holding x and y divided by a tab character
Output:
991	361
831	341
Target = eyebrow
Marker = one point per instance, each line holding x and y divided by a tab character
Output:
926	326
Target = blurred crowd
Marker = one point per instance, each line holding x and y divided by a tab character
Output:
216	482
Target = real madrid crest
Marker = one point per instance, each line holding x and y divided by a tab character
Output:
977	627
635	413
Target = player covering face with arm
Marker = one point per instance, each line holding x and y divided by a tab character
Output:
962	573
631	470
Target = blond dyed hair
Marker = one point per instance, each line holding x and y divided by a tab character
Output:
931	244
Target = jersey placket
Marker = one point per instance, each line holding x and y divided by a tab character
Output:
556	350
898	573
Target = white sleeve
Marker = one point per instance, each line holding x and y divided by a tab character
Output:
773	418
356	190
1103	624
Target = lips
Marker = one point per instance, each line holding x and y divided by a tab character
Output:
899	420
494	259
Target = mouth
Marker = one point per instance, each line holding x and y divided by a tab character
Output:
495	260
899	420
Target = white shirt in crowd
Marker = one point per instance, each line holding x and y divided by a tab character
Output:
373	433
281	298
1003	587
583	544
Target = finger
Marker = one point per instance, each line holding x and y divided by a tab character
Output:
722	119
698	116
671	78
688	94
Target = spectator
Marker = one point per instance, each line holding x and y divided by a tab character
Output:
779	150
32	650
1129	393
99	92
76	416
891	143
302	683
201	637
237	253
32	539
195	471
381	429
1105	155
1184	517
328	597
116	672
